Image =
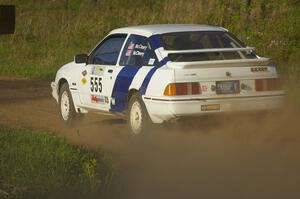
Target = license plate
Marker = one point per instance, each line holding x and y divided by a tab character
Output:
227	87
210	107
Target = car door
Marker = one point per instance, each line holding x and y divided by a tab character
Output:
136	60
99	73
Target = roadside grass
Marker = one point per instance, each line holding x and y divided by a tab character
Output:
49	33
39	165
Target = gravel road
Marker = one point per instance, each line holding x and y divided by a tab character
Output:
228	156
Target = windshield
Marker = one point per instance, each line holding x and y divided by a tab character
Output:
203	40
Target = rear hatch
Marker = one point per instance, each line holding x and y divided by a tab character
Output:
226	78
216	64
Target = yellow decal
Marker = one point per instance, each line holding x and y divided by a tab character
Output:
83	80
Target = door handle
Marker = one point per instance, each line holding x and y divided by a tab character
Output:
110	70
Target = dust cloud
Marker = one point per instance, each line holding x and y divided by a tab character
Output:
254	155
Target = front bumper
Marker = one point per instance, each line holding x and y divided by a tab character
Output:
54	91
161	110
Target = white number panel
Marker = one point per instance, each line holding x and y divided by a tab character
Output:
95	84
96	81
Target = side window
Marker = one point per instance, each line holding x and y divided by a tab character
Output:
138	52
108	51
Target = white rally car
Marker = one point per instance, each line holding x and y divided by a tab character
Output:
157	73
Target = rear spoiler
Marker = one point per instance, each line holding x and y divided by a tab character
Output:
247	49
261	61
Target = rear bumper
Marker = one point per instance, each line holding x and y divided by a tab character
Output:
163	110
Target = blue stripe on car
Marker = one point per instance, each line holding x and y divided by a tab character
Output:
155	42
126	75
147	79
121	86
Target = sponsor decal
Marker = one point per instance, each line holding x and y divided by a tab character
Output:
84	73
151	61
98	99
106	100
138	53
139	50
190	74
140	47
113	101
97	70
83	80
135	49
259	69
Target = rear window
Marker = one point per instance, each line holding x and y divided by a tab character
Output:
203	40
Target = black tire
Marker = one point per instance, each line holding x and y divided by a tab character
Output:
141	116
68	115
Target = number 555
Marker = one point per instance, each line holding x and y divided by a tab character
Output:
96	84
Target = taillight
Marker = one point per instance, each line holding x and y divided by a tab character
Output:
191	88
170	90
269	84
195	88
181	88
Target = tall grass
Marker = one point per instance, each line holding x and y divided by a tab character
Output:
38	165
49	33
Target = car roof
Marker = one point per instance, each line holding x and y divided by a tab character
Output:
148	30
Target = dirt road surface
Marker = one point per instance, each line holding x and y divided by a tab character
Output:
230	156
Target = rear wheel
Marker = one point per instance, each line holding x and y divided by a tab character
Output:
67	111
137	116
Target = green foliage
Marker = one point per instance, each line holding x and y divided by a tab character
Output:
49	33
38	165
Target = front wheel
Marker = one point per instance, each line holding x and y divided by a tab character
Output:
67	111
137	116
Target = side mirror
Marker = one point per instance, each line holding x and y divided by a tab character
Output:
80	58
